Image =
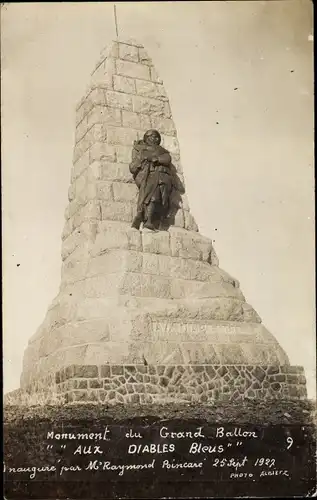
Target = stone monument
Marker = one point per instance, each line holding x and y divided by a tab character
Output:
143	316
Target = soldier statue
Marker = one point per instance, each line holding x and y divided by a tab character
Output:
152	171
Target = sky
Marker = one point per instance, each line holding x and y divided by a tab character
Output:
239	76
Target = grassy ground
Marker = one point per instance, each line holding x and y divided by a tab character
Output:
248	411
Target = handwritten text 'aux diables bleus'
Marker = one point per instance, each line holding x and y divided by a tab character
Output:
155	448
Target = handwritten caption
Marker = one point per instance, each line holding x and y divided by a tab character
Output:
226	452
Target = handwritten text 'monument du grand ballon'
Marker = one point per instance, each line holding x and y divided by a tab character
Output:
163	433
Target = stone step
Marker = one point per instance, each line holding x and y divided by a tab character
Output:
116	260
130	336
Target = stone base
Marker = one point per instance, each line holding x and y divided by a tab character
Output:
160	298
145	384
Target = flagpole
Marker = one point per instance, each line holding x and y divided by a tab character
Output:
115	19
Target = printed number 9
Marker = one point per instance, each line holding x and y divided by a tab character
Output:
290	442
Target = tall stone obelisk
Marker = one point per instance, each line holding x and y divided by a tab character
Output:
143	316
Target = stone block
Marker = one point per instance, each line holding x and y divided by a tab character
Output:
130	41
83	110
101	264
189	222
95	133
156	242
111	50
119	100
128	52
114	234
109	62
145	123
75	260
121	135
104	170
95	383
189	245
190	269
81	129
76	204
80	165
131	284
154	76
157	286
102	151
102	76
98	132
136	120
117	211
80	384
130	119
135	398
115	262
185	289
133	69
81	182
68	228
125	192
109	239
117	370
105	371
272	370
89	213
123	154
101	352
74	240
292	378
71	192
156	264
124	84
79	168
261	354
101	190
135	240
88	371
97	96
294	392
73	272
295	369
259	373
183	245
104	115
152	107
94	97
217	308
143	57
249	314
164	125
150	89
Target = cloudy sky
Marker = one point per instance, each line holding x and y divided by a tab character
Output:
247	154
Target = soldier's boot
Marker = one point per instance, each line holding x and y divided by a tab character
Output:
151	212
137	220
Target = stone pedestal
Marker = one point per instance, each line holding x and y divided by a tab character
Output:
143	316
